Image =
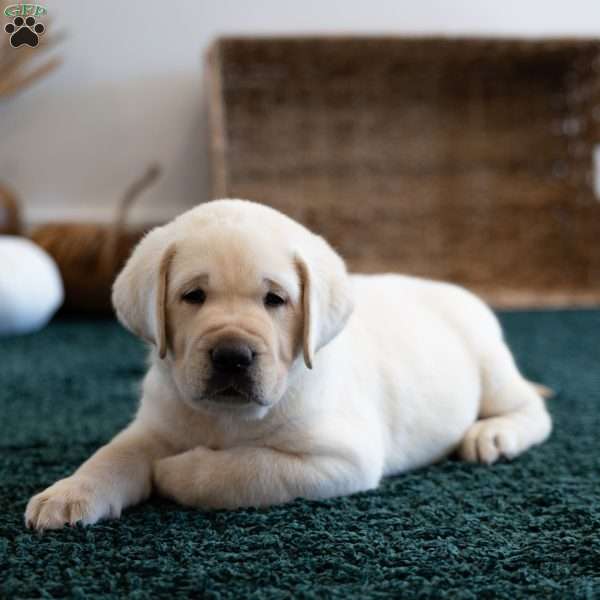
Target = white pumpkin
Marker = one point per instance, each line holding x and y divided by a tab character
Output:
31	289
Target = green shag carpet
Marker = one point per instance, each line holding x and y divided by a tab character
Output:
521	529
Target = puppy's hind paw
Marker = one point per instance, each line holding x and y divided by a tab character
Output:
488	440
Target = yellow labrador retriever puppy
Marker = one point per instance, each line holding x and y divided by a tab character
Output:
276	375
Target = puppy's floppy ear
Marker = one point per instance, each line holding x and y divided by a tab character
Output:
327	301
140	291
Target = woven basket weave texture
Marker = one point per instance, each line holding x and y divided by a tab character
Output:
469	160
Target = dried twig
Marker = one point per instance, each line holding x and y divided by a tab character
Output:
20	67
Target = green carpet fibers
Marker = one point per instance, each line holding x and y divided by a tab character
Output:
520	529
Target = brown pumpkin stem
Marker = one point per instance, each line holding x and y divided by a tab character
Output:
110	251
10	219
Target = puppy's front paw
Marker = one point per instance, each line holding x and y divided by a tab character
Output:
489	439
67	502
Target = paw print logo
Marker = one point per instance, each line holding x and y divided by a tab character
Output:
24	31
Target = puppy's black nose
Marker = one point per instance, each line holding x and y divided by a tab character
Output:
231	357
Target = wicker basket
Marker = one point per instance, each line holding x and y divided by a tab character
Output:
461	159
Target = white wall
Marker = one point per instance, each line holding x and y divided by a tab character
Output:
130	88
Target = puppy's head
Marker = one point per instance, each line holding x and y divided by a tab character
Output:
234	296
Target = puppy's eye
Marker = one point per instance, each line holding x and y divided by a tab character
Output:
197	296
273	300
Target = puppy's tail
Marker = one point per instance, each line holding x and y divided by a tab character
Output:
543	390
